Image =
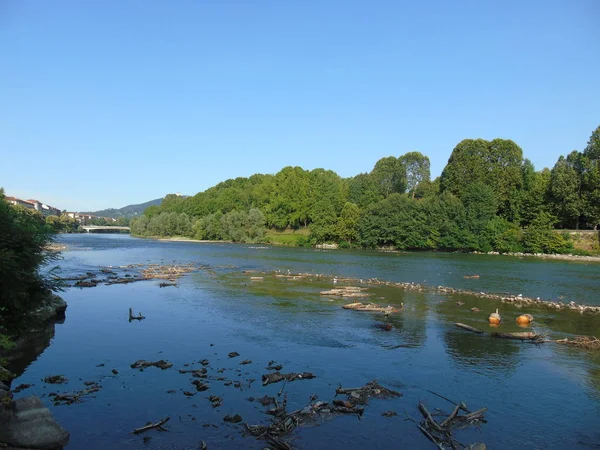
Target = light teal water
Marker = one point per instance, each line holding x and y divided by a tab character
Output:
545	396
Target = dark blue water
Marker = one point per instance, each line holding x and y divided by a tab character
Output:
537	396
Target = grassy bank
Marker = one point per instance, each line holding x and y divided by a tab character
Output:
587	241
290	238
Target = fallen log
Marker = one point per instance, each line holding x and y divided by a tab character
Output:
276	377
522	336
132	317
468	328
151	425
586	342
371	307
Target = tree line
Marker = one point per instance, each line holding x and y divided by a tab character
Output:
488	197
24	237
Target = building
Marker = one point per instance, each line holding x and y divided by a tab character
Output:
45	210
19	202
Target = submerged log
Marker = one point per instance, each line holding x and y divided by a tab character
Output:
586	342
523	336
151	425
132	317
373	307
468	328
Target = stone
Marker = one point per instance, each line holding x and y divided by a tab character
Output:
233	419
31	425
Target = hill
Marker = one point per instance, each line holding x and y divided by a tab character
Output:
127	211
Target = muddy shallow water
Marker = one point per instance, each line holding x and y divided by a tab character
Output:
538	396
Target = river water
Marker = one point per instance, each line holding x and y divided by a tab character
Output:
538	396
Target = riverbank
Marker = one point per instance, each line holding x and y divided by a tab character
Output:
555	256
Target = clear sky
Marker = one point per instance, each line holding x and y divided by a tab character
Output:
113	102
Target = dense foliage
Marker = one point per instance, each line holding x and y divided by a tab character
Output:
489	197
24	236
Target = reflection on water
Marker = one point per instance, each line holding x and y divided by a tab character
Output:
529	389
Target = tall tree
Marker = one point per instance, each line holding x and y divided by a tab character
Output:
497	163
592	150
390	176
563	192
417	168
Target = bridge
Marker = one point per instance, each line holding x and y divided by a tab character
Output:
104	229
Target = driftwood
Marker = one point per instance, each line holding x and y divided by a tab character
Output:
284	422
523	336
161	364
347	291
468	328
74	397
158	425
586	342
276	377
440	433
132	317
371	307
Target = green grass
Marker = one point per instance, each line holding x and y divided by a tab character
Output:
289	238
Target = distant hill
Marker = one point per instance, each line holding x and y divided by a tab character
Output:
127	211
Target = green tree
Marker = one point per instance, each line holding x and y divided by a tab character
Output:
390	176
363	190
347	226
24	237
497	163
417	168
564	188
592	150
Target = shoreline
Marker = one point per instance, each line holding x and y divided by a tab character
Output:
517	299
555	256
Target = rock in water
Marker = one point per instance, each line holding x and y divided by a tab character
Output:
31	425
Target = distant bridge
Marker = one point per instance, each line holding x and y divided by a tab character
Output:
103	229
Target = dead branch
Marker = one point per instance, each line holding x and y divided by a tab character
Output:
522	336
468	328
132	317
151	425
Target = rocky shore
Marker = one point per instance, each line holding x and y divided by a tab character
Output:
25	423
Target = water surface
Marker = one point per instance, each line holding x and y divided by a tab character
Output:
545	396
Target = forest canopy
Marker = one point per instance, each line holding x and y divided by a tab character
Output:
489	197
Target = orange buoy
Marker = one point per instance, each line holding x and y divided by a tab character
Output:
525	319
494	318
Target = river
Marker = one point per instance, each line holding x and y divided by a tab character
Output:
538	396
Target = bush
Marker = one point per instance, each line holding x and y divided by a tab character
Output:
24	236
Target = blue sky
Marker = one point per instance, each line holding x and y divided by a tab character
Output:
109	103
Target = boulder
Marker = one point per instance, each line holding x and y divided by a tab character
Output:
30	425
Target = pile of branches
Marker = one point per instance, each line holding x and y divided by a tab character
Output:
74	397
586	342
284	422
167	272
440	433
276	377
362	395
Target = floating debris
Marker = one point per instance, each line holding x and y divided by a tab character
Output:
233	419
371	307
161	364
276	377
75	397
586	342
233	354
347	291
22	387
440	433
149	425
55	379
